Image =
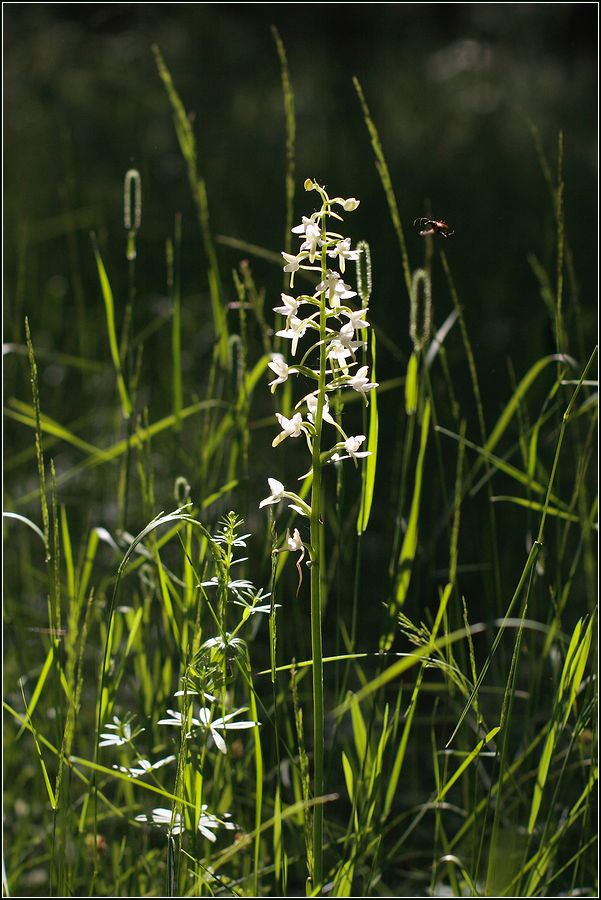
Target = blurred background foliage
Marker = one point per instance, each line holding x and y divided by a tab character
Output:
450	87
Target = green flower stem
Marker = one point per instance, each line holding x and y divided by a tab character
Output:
316	636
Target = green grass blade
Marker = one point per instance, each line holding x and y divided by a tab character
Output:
290	136
467	762
537	507
109	309
34	734
386	180
370	462
409	546
518	396
26	521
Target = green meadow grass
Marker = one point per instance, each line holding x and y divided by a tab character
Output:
460	692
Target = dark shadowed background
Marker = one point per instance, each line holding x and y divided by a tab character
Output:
451	89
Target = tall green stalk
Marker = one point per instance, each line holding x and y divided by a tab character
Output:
316	636
336	342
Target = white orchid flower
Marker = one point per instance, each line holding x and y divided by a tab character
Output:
302	228
360	381
357	318
336	289
312	242
279	365
277	492
290	428
351	445
294	541
290	306
343	251
312	408
293	264
295	331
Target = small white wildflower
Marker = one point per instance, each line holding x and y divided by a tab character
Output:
357	318
189	692
279	365
344	346
312	409
290	428
351	445
295	545
346	335
302	228
234	585
336	289
295	331
175	718
123	733
312	242
277	492
349	205
343	251
208	823
223	723
360	381
290	306
294	541
144	767
163	817
293	264
339	352
249	603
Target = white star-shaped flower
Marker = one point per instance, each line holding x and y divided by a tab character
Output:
144	766
223	723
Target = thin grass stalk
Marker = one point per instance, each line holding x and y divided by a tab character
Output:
386	180
288	94
187	143
173	250
480	411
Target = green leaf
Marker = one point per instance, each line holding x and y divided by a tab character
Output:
348	776
109	309
467	762
410	540
370	462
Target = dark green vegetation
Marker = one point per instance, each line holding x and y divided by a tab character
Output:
465	765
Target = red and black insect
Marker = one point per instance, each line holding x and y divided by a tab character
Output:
433	226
